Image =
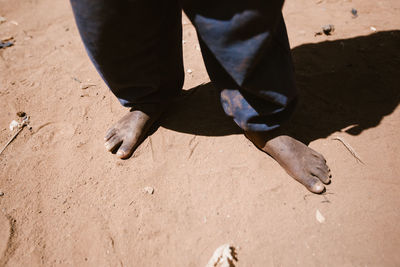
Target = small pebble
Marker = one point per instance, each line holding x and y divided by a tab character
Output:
328	29
320	218
1	193
14	124
148	190
2	19
354	12
189	71
373	29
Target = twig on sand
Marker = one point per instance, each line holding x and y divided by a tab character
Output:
349	148
25	122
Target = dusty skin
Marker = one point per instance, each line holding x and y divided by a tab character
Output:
299	161
128	132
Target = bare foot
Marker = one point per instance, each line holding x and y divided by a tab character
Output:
301	162
129	131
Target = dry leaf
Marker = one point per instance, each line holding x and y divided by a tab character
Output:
224	256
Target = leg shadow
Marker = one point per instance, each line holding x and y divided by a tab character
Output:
199	112
345	85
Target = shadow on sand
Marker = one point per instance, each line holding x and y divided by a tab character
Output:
351	83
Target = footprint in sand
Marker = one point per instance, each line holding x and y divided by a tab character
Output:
52	133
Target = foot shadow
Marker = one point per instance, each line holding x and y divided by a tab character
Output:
348	85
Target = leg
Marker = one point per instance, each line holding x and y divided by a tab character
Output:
247	53
137	50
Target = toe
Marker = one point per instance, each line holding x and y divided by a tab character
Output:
319	156
113	142
127	148
321	174
314	184
124	151
110	133
323	166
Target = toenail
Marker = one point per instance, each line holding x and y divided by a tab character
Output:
121	153
318	188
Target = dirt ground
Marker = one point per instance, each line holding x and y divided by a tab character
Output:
67	202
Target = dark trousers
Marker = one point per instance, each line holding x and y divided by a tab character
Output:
136	45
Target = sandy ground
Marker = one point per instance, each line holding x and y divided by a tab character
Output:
67	202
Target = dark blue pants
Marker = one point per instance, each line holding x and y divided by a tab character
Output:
136	45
